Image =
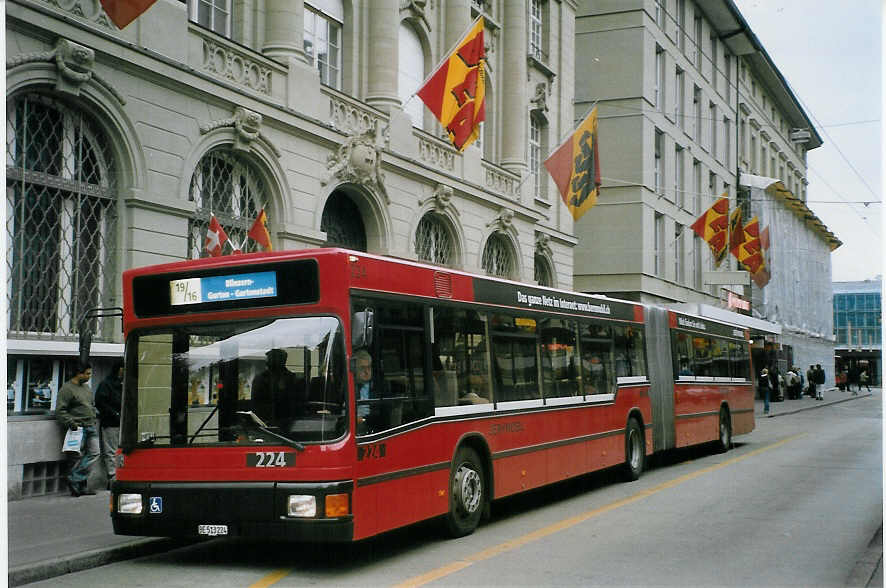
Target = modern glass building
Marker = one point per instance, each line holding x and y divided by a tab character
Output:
858	326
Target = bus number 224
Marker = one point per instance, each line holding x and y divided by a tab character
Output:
270	459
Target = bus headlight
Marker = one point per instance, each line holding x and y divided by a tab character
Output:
301	505
129	504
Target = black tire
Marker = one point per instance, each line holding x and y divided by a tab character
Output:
724	439
467	493
635	450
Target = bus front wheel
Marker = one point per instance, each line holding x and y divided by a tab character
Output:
635	450
467	493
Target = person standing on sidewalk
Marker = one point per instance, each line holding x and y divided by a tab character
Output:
863	379
108	399
819	380
811	378
76	409
764	385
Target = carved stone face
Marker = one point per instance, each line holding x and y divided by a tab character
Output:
76	56
252	122
363	158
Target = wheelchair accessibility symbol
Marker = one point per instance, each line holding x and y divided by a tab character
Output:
156	505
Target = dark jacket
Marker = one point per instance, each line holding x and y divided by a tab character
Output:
108	399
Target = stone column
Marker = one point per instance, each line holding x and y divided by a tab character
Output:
512	86
458	17
285	30
384	21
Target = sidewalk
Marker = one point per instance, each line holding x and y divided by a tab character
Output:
56	535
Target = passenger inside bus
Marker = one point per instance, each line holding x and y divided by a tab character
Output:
363	389
277	392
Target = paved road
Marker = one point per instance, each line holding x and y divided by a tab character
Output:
796	503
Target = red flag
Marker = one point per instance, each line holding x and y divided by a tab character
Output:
575	167
259	231
712	226
215	238
456	91
762	277
736	232
123	12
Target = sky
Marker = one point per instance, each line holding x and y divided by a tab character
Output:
830	53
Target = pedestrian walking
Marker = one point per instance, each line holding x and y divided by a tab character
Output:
864	379
74	409
810	380
108	398
819	381
764	387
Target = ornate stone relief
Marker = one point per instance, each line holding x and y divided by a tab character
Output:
540	99
247	127
74	64
503	223
543	245
90	10
442	200
358	160
415	10
235	66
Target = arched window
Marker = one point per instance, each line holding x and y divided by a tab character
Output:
229	186
343	223
433	240
544	276
61	216
498	257
411	63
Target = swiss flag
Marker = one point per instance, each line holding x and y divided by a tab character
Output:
215	238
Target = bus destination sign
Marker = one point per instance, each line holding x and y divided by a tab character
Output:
222	288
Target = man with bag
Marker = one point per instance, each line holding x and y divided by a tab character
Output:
74	409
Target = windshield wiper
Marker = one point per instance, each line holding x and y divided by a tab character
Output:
261	426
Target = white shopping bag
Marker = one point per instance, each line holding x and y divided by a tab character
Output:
73	441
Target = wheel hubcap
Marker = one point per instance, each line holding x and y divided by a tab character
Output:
468	489
635	449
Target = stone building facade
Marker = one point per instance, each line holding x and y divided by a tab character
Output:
122	143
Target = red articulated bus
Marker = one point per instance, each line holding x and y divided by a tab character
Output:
331	395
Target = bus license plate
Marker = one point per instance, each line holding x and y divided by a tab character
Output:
212	530
270	459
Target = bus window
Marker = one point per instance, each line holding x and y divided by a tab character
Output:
598	376
630	357
738	357
682	353
702	361
515	366
720	357
154	384
559	363
460	360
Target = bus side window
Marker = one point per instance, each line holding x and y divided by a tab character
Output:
459	362
558	358
682	354
597	375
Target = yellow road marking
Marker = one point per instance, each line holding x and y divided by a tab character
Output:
458	565
271	578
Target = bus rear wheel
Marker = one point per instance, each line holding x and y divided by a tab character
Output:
635	450
724	442
467	493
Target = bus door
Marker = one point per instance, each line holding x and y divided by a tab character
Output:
661	378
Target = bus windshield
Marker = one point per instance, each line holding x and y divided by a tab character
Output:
258	382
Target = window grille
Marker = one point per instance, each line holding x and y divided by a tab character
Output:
343	223
61	217
433	240
498	257
227	185
543	274
42	478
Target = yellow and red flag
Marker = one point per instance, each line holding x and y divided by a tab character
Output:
736	231
712	226
456	91
750	252
123	12
763	275
259	231
575	167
